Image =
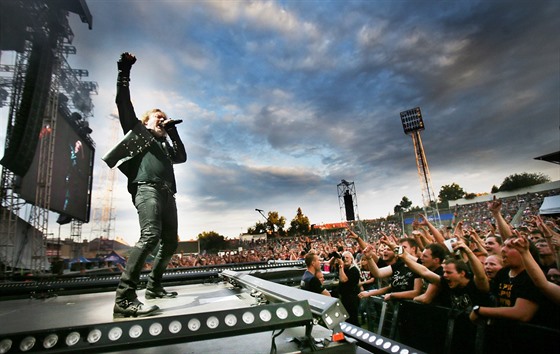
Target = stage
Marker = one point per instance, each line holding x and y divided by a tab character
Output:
215	317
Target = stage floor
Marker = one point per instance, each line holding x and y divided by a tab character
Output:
24	316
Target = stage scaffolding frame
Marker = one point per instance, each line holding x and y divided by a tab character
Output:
50	20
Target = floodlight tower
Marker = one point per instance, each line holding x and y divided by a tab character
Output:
413	124
348	201
104	212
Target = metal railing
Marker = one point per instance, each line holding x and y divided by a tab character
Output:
441	330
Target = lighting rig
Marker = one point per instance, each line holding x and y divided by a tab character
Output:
284	272
328	310
147	332
376	343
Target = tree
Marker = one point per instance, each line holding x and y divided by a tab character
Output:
522	180
299	224
405	203
275	223
257	229
450	192
211	241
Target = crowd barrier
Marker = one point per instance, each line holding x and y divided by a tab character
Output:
441	330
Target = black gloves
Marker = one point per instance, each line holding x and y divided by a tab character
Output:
124	64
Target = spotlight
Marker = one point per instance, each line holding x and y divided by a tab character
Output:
175	327
5	345
115	333
27	343
94	336
135	331
72	338
50	341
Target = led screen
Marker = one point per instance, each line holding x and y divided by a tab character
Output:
71	173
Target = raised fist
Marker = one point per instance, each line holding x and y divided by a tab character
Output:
125	62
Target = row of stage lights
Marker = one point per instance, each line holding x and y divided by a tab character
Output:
153	331
206	272
374	342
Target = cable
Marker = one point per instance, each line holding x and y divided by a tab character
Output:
273	345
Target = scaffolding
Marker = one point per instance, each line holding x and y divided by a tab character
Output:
348	204
47	27
103	219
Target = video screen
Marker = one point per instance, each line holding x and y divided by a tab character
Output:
71	173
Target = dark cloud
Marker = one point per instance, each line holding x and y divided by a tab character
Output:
284	99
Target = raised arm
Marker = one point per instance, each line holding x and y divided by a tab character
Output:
479	275
435	232
373	268
550	290
420	269
127	116
363	244
495	207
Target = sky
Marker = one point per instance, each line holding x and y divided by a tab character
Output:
281	100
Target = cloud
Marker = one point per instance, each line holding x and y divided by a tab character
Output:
283	99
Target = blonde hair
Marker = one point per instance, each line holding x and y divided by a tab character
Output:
146	115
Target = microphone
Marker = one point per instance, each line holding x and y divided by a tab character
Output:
171	123
259	210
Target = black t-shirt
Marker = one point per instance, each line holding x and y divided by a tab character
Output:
507	290
350	288
463	298
311	283
402	278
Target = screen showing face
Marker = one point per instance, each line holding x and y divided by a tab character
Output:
72	169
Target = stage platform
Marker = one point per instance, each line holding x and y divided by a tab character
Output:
84	313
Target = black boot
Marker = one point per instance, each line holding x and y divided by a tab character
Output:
160	294
135	308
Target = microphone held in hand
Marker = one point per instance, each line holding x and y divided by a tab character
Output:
171	123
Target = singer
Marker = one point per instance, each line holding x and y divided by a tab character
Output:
146	156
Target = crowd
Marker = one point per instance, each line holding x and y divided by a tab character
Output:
486	270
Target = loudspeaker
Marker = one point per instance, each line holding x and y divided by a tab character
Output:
349	206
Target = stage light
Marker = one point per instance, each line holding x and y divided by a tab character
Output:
230	320
50	341
94	336
282	313
248	318
194	324
27	343
175	327
72	338
5	345
376	343
115	333
265	315
327	309
135	331
212	322
146	332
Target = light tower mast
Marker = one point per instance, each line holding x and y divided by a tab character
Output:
413	124
104	216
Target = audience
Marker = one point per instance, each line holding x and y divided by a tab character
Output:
494	275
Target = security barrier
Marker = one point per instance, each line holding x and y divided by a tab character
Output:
441	330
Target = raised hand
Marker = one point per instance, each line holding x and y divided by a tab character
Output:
125	62
495	205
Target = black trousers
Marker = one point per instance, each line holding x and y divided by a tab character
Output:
157	213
